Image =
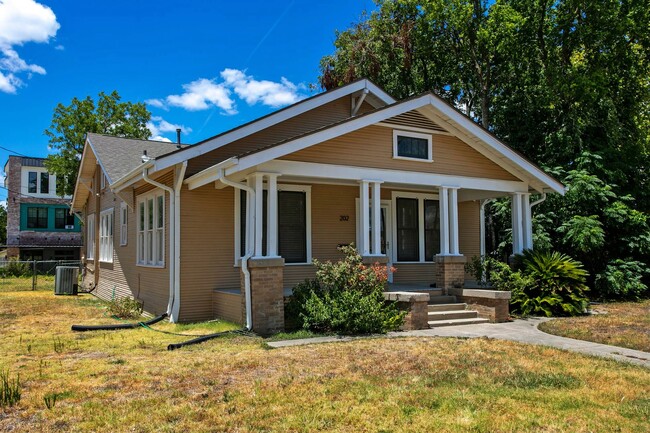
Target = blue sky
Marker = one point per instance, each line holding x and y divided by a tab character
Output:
206	66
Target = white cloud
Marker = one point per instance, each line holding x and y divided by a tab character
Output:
203	94
206	93
269	93
59	47
22	21
157	125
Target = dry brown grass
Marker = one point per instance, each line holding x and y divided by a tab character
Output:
127	382
624	324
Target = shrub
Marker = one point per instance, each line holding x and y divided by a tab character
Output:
15	268
125	308
622	280
556	285
346	297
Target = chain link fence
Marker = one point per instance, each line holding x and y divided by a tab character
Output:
31	274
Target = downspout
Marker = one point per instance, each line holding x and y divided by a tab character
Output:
177	241
535	203
250	216
172	233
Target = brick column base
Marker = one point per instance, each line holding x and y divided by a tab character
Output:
450	272
267	294
415	304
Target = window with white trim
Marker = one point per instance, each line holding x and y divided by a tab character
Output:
412	145
124	218
151	229
417	227
90	237
103	181
294	223
106	236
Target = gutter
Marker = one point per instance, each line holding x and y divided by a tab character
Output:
250	224
172	235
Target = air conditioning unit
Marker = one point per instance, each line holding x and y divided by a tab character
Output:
69	227
66	281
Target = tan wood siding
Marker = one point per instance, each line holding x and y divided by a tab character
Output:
228	306
123	278
327	114
420	274
373	147
207	249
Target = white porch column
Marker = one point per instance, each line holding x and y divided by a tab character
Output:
376	218
453	222
364	203
527	221
258	180
272	221
517	224
444	220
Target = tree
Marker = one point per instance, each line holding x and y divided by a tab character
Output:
3	225
71	123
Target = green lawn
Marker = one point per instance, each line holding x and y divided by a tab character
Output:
126	381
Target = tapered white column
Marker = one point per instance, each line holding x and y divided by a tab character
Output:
517	224
453	221
364	248
258	181
272	222
376	218
444	220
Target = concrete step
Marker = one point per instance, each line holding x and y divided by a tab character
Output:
452	315
454	322
447	307
442	299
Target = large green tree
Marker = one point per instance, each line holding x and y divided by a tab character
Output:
71	123
551	78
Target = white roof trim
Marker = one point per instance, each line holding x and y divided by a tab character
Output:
210	174
466	124
270	120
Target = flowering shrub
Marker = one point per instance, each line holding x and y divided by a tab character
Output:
346	297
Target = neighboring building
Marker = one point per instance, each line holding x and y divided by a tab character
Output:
39	223
403	180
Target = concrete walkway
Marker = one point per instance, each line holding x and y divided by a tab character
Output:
522	331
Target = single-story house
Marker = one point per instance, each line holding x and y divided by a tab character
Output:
223	227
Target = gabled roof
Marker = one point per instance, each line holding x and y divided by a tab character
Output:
116	156
427	104
373	95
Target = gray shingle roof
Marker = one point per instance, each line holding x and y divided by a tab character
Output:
119	156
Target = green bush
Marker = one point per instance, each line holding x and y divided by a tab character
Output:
15	268
556	285
622	280
346	297
125	308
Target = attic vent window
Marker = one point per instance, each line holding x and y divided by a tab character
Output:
412	145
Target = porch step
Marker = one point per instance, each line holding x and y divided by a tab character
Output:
454	322
435	316
447	307
442	299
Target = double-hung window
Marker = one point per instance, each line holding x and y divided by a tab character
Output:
63	219
106	236
124	217
90	237
37	218
151	229
293	219
417	227
412	145
32	182
45	183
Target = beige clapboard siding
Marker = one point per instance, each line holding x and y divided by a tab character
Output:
420	274
326	114
123	278
207	249
373	147
228	306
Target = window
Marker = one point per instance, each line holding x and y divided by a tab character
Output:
412	145
106	236
37	218
124	217
103	181
294	225
151	230
31	184
417	234
45	183
90	237
63	219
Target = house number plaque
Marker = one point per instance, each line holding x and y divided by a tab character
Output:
344	217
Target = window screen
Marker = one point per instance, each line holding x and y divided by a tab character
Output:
412	147
292	226
408	245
